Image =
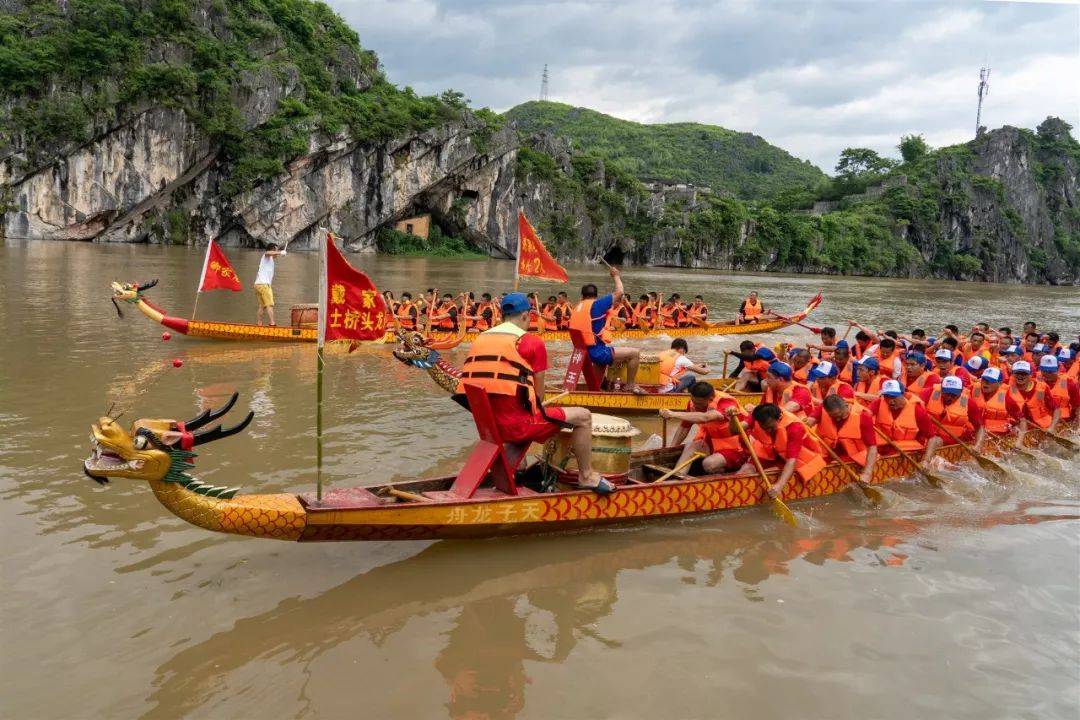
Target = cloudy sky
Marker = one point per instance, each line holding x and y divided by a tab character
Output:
811	77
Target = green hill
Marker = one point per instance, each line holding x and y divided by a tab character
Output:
741	163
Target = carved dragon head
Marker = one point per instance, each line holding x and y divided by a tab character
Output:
129	292
412	350
157	450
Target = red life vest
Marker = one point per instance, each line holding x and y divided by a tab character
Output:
848	437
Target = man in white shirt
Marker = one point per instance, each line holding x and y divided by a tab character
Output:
676	369
263	282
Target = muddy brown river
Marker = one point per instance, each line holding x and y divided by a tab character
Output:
954	603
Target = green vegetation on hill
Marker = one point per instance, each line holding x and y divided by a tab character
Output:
67	69
705	155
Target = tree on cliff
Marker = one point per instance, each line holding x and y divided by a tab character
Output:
912	147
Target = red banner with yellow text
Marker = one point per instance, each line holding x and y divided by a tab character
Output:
533	258
355	310
218	273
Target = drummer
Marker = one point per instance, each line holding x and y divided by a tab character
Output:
510	364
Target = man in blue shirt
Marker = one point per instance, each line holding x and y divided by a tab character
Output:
589	317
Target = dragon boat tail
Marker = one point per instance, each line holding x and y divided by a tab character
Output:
161	453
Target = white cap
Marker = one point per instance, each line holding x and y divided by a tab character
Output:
1039	347
952	385
892	388
943	354
1048	362
992	375
1021	366
1065	354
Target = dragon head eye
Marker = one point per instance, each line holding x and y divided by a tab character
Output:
141	442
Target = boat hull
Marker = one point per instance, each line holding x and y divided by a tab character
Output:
492	514
630	403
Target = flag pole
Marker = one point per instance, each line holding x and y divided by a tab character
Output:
320	365
202	277
517	258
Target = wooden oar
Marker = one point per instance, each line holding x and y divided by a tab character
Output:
679	467
934	480
872	493
1014	447
1063	442
984	462
782	511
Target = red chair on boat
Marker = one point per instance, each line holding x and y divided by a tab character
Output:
580	364
490	455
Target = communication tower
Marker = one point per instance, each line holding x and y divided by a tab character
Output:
984	90
544	84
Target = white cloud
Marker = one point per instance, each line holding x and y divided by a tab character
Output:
812	77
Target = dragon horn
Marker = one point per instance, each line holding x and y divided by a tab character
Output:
146	286
118	313
217	432
209	415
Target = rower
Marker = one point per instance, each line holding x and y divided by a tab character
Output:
916	377
950	404
781	440
755	365
445	316
1034	396
698	312
1067	363
562	311
751	309
801	365
590	318
869	380
827	345
670	312
1038	351
944	366
825	381
889	359
486	316
714	413
781	391
1063	390
407	314
677	370
642	317
862	342
848	428
902	418
510	363
843	362
999	409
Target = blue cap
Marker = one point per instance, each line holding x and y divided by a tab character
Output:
765	353
780	369
976	363
1048	363
991	375
515	304
1013	350
1039	348
917	357
871	363
952	385
891	388
823	369
842	345
1065	354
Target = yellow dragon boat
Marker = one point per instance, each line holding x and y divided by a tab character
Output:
305	331
160	453
414	352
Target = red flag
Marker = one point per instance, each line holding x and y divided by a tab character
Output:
218	273
533	257
354	308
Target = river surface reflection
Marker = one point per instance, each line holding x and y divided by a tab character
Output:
958	603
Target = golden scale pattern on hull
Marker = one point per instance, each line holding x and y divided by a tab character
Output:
279	516
567	511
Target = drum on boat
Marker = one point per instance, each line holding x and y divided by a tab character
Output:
610	447
306	315
648	371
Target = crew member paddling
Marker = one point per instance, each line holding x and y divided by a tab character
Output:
916	376
848	428
781	391
1034	396
1064	391
902	418
717	438
999	410
825	381
406	313
751	310
780	439
950	404
869	382
589	318
510	364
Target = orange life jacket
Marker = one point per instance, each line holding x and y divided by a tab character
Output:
495	365
902	429
669	314
809	461
481	323
446	323
834	389
669	373
782	398
562	315
845	373
581	320
848	437
718	432
953	417
995	411
406	315
1060	392
698	312
1073	370
751	308
802	375
871	387
918	384
1036	404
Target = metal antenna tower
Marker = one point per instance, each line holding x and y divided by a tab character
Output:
984	89
544	84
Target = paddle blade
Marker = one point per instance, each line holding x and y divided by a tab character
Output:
992	467
784	512
872	494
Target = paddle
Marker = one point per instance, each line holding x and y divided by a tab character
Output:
778	505
1063	442
934	480
679	467
872	493
984	462
1015	447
